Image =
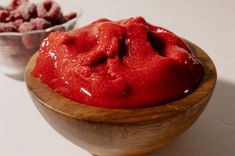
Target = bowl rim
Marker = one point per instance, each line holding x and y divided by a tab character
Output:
50	29
42	94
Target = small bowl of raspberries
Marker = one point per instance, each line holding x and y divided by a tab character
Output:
23	25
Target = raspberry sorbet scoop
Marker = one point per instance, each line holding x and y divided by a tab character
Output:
123	64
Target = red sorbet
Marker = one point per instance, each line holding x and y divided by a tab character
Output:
123	64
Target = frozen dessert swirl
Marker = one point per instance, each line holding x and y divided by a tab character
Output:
124	64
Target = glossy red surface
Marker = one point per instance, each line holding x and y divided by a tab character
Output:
123	64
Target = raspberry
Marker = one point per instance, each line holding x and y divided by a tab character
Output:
55	14
40	23
15	3
27	10
3	15
18	22
27	26
15	14
43	8
47	4
70	16
7	27
50	11
30	41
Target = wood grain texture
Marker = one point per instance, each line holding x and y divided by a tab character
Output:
122	132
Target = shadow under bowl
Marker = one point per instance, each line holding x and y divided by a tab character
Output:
122	132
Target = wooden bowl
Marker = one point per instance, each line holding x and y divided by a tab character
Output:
122	132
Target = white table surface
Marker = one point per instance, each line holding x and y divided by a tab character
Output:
208	23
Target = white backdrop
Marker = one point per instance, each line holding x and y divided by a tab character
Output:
208	23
